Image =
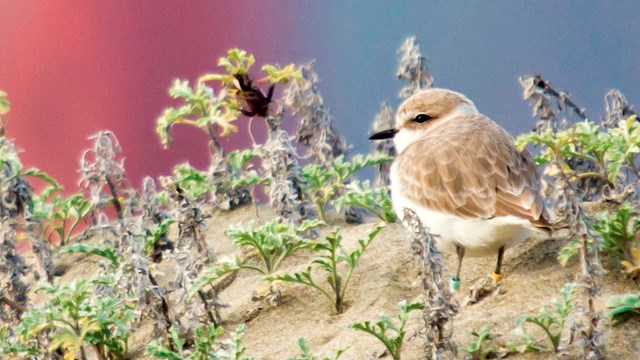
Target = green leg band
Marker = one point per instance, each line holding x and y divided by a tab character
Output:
454	284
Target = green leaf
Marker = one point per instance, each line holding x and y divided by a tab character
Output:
4	103
106	252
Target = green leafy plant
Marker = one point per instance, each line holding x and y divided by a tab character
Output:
477	349
553	324
325	184
237	95
618	229
61	215
330	255
202	109
154	233
274	241
610	151
305	352
216	271
621	307
4	103
527	345
12	348
67	214
107	252
194	182
205	345
377	201
75	318
241	174
380	329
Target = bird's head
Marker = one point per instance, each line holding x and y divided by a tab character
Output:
422	112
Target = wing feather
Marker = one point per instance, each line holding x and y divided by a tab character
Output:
472	170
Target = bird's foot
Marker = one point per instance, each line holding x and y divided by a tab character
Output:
497	277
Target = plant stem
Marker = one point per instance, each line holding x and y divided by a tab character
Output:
320	208
215	142
114	194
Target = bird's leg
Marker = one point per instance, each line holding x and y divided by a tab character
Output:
497	275
455	281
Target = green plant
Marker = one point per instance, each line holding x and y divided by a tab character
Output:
107	252
477	349
4	103
526	346
61	215
208	112
274	241
305	353
618	229
154	233
587	151
205	345
330	255
324	184
202	109
12	348
74	317
381	327
241	174
553	324
621	307
194	182
377	201
215	271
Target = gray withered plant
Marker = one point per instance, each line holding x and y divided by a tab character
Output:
566	197
440	306
316	131
280	164
13	290
548	103
617	108
103	175
412	67
556	112
155	220
589	325
192	254
135	279
223	195
382	121
16	205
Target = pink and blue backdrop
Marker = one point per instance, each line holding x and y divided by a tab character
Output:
72	68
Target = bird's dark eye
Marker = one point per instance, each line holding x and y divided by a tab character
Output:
422	118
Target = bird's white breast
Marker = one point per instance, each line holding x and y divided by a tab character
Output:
479	237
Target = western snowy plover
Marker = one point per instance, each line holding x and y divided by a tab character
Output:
461	173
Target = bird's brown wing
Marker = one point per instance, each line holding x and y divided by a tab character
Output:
469	167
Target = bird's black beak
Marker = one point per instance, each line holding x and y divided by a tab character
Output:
385	134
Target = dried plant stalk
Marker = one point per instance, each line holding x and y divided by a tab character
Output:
548	105
103	174
412	67
440	307
383	120
545	100
316	130
589	320
190	219
280	163
13	291
617	109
